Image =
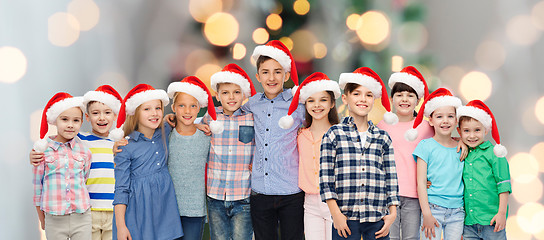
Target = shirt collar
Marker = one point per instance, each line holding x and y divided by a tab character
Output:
286	95
238	112
56	145
485	145
349	121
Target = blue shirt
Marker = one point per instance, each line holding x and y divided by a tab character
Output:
444	170
275	165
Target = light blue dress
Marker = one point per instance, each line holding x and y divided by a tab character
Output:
142	182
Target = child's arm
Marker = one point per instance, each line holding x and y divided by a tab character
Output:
387	222
501	173
41	217
429	222
461	146
122	231
37	181
170	119
340	221
500	218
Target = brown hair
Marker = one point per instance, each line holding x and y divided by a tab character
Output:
332	116
350	87
401	87
89	104
131	122
261	60
466	119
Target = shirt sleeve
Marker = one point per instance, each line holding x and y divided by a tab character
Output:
326	166
88	160
391	180
122	176
206	119
501	173
421	152
37	181
247	106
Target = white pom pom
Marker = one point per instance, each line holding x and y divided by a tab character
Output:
294	90
411	135
116	134
286	122
216	127
500	151
390	118
40	145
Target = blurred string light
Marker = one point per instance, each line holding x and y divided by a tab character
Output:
475	85
514	230
373	29
63	29
116	80
396	63
221	29
301	7
530	123
490	55
273	21
13	64
530	217
412	36
525	192
538	153
205	72
450	74
288	42
238	51
351	21
320	50
521	31
197	58
537	15
201	10
260	36
539	110
523	167
303	45
86	12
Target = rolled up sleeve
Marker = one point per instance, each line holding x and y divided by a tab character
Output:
122	177
326	167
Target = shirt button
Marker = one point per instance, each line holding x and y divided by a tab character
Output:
471	210
266	144
363	169
266	159
153	142
272	101
470	179
267	129
363	184
158	164
362	200
470	164
266	174
156	152
269	114
470	195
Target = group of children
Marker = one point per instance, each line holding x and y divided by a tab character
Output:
280	164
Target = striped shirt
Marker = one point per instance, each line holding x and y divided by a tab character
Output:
231	152
360	176
59	181
101	181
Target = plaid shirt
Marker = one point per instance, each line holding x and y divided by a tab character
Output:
361	177
231	152
59	181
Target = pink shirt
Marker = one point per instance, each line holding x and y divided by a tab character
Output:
405	163
308	167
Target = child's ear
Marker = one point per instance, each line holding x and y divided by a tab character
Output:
287	76
87	117
344	100
459	131
172	106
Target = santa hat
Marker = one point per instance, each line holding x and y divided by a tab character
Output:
314	83
196	88
278	51
439	98
59	103
106	95
366	77
413	78
134	98
478	110
233	73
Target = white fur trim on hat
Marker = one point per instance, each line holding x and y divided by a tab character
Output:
286	122
441	101
410	80
317	86
372	84
57	108
116	134
231	77
476	113
411	134
41	145
216	127
500	151
277	54
137	99
197	92
390	118
105	98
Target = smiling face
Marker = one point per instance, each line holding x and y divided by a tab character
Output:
149	116
271	75
186	108
360	101
68	124
443	120
404	103
318	105
472	131
230	95
101	118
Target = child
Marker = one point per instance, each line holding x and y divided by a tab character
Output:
318	93
144	201
275	195
60	196
486	174
408	87
231	153
438	161
357	176
188	153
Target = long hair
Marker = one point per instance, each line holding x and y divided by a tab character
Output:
332	116
131	122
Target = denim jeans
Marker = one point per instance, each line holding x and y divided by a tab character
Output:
193	227
366	230
269	210
485	232
450	221
406	225
230	219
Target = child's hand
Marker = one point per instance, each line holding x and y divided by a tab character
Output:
170	119
429	223
500	222
461	146
428	184
387	222
123	233
35	158
340	222
250	166
204	128
116	145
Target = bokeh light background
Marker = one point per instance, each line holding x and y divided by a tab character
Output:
489	50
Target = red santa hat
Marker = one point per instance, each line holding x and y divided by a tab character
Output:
106	95
478	110
233	73
195	87
314	83
439	98
59	103
366	77
413	78
276	50
134	98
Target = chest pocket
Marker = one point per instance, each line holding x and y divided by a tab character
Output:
246	134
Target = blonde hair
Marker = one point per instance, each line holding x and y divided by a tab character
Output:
131	122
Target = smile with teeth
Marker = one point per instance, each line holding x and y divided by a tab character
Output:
102	124
187	117
318	110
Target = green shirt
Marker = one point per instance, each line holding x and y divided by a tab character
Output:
485	176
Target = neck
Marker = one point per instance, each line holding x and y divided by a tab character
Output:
147	132
405	118
100	134
60	139
227	112
361	122
185	130
271	96
319	127
445	140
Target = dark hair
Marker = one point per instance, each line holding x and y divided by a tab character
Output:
466	119
454	109
333	113
350	87
89	104
401	87
261	60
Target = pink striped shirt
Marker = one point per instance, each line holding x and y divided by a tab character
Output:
59	182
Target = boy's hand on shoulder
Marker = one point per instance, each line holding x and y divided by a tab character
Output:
116	145
170	119
461	146
500	222
428	225
387	222
204	128
340	222
36	158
